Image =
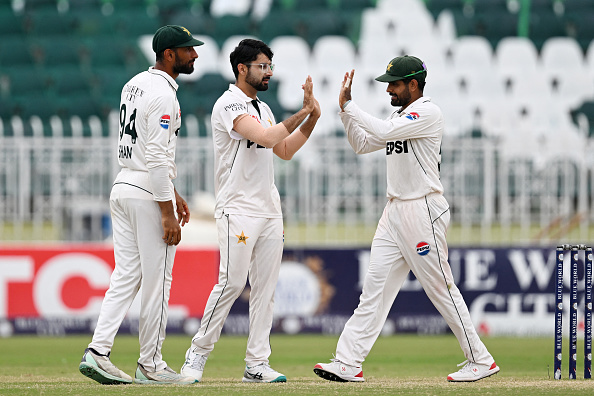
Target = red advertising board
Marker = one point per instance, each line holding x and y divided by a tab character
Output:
71	280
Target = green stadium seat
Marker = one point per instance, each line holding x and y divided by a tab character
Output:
492	25
465	26
79	104
10	23
94	5
91	22
131	22
7	105
109	81
544	6
68	82
284	5
132	5
105	51
230	25
24	81
50	22
197	24
544	26
279	23
350	5
481	6
16	51
308	5
435	7
40	5
495	25
322	23
572	6
40	105
58	50
351	23
170	6
193	101
198	97
582	24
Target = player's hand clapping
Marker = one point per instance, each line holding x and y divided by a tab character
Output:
308	96
345	90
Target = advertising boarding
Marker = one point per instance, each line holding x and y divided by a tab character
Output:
59	290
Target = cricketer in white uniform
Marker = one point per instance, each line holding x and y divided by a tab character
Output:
411	234
143	205
248	210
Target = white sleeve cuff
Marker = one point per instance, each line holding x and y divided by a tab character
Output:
160	183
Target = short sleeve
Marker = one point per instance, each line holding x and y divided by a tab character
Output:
227	109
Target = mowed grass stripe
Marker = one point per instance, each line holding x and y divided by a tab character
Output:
399	364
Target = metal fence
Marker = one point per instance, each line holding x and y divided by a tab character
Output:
57	188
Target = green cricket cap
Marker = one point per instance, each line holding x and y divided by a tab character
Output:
173	36
404	67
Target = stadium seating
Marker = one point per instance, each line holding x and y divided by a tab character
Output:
292	59
545	25
94	42
516	57
562	62
586	110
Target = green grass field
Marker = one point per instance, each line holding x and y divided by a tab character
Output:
400	364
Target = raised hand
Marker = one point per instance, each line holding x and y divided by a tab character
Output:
345	90
308	96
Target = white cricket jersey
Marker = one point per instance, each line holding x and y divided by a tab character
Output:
244	174
412	140
150	119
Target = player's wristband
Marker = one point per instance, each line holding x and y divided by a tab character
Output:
345	104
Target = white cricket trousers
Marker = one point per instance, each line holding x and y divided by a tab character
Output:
249	247
142	258
403	225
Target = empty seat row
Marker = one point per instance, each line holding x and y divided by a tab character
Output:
18	51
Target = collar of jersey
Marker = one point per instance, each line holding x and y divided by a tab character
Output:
235	90
422	99
169	79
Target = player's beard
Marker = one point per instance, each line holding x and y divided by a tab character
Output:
254	82
183	68
402	99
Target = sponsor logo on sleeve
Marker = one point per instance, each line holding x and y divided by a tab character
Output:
164	121
235	107
413	116
423	248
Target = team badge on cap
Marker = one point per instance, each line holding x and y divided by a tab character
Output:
413	116
423	248
164	121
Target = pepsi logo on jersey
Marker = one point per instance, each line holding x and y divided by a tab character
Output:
397	147
413	116
423	248
164	121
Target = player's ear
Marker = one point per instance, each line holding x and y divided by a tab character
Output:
169	54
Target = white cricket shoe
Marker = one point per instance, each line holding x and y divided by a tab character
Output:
99	368
194	365
165	376
473	372
339	371
262	373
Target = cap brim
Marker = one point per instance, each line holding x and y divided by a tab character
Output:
387	78
190	43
